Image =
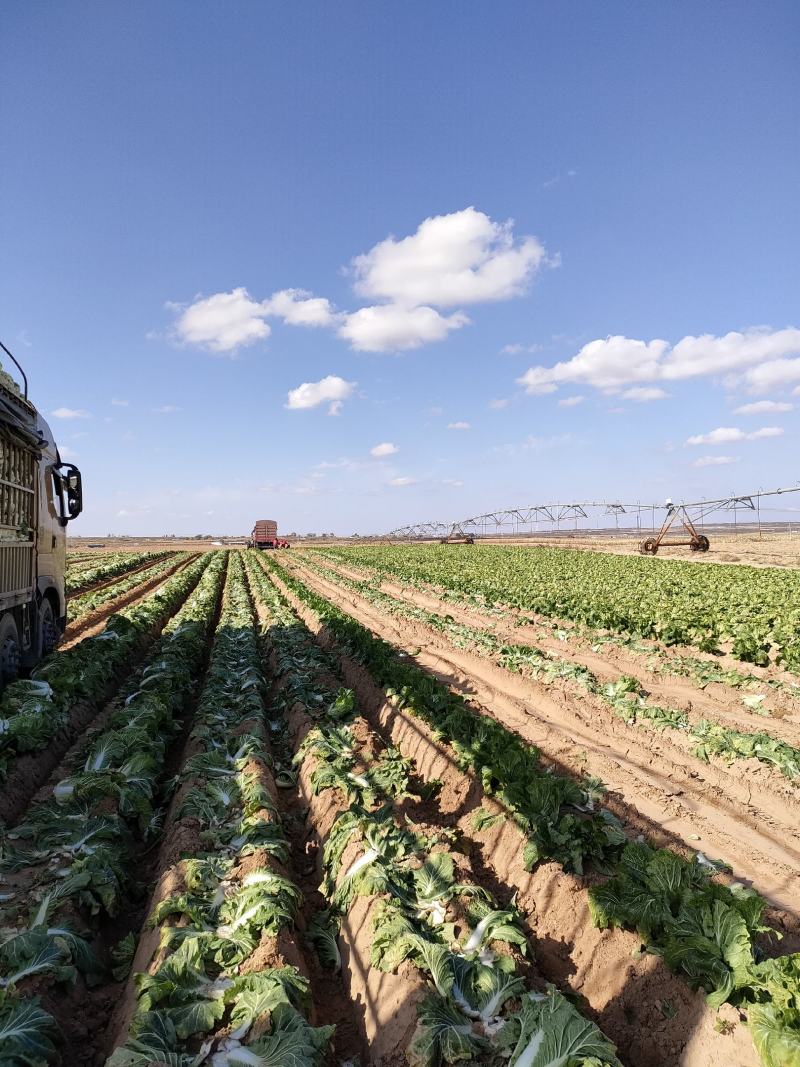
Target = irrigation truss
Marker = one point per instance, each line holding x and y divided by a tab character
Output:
554	517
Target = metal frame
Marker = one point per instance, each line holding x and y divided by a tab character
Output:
554	514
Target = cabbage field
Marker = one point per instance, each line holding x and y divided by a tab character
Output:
411	805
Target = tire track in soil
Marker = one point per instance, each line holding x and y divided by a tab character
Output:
658	797
31	771
650	1013
717	701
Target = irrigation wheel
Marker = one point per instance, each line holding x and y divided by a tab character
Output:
649	546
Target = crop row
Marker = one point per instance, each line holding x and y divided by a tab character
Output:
624	696
704	930
70	863
84	603
81	577
204	992
398	891
32	711
756	609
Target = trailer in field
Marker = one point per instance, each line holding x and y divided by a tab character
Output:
265	535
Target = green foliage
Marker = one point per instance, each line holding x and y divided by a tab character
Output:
757	609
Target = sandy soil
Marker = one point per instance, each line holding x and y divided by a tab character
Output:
653	783
651	1014
717	701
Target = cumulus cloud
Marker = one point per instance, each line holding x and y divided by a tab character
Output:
642	393
403	481
571	401
517	349
755	359
386	448
222	322
460	258
769	376
715	461
763	407
166	409
331	389
725	434
499	404
458	426
119	403
457	259
392	327
70	413
297	307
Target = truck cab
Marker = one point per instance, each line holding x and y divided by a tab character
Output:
38	496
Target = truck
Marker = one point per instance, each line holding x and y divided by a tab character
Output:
39	495
265	535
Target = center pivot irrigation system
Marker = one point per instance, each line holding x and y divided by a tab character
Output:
682	518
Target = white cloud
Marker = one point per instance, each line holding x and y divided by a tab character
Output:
642	393
392	327
757	355
386	448
715	461
762	407
461	258
517	349
330	389
725	434
694	356
571	401
774	374
499	404
455	482
608	365
70	413
222	322
403	481
765	431
166	409
300	308
458	426
67	453
119	403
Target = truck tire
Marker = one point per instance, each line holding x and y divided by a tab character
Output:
48	629
10	652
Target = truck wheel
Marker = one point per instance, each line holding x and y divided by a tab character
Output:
9	648
48	631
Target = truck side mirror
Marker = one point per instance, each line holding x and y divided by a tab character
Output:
69	487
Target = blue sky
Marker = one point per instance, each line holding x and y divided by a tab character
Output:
206	207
